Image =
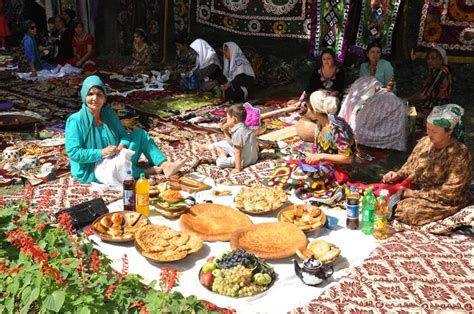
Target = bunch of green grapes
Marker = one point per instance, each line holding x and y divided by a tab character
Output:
232	280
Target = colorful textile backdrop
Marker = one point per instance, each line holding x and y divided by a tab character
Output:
181	11
151	15
377	21
271	18
329	19
447	23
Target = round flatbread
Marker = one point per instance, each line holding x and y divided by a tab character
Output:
213	222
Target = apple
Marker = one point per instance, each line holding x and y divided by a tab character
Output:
208	267
211	259
206	280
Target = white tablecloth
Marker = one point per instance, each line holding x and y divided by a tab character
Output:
287	293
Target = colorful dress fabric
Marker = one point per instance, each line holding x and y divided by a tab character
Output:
436	88
141	58
334	83
441	178
81	47
329	26
185	61
377	21
4	29
28	53
338	140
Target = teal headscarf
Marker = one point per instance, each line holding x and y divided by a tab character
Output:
449	117
85	140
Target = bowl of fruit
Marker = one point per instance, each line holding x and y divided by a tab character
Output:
236	274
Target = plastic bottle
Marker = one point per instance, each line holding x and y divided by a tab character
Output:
352	220
380	218
142	190
368	208
129	192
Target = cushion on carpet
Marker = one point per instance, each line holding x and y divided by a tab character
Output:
412	272
464	217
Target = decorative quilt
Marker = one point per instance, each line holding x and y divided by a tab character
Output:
447	23
329	20
377	22
410	273
63	193
271	18
181	12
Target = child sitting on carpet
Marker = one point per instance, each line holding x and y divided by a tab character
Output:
239	149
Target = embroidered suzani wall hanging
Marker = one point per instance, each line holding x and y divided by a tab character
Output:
447	23
181	13
329	21
377	22
272	18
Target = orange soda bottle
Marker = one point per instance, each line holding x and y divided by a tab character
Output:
142	190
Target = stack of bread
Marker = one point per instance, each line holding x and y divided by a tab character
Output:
119	226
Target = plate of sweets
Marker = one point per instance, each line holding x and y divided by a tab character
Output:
237	274
260	200
306	217
119	226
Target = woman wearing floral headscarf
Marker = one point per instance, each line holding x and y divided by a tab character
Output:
437	86
239	77
440	169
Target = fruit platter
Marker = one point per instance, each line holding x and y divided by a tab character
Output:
119	226
306	217
237	273
260	200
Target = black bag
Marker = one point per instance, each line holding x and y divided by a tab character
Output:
85	213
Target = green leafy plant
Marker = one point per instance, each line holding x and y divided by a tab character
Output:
46	268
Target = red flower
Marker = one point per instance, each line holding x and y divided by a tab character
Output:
46	269
28	194
2	201
168	278
109	291
141	307
65	222
95	262
27	245
40	226
66	262
214	308
55	254
88	231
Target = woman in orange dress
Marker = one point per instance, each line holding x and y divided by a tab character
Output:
84	49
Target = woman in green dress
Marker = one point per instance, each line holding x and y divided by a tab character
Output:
95	133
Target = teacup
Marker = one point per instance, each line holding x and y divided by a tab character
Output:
11	152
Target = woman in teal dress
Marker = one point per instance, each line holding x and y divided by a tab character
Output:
381	69
95	133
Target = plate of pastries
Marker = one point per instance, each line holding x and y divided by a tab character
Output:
119	226
308	218
163	244
260	200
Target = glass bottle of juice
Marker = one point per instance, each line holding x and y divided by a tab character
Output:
142	190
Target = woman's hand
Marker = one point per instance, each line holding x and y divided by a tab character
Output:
120	147
110	151
312	158
391	177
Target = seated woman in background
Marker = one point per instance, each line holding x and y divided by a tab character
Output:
381	69
377	116
141	54
206	69
84	50
333	140
239	78
440	169
64	43
437	86
29	55
185	57
95	133
329	76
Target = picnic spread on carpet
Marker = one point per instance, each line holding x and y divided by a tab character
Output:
156	174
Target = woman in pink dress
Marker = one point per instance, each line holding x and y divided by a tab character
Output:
4	29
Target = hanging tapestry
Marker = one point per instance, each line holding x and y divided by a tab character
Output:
447	23
150	15
328	26
181	11
377	22
272	18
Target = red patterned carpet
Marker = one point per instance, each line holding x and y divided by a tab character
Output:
412	272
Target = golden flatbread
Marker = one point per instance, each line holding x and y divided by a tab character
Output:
269	240
213	222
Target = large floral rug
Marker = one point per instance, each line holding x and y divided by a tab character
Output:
448	24
271	18
411	273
